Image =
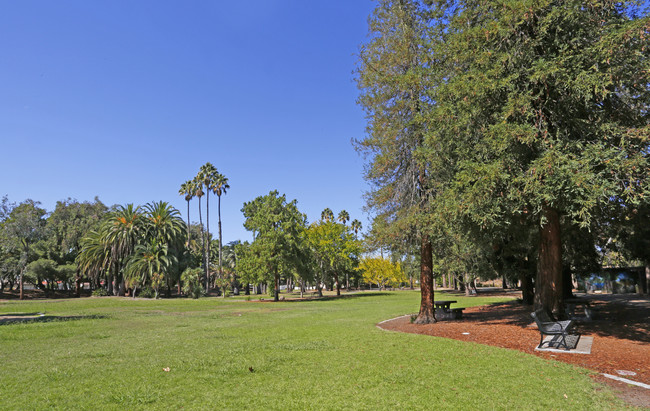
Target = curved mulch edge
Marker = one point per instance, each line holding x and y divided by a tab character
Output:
508	325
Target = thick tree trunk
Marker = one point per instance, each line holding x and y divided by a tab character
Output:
548	284
504	283
444	281
338	285
276	297
527	292
567	284
645	280
427	312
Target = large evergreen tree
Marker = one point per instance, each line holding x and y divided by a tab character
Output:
391	76
542	109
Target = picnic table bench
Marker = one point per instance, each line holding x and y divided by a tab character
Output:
548	326
445	312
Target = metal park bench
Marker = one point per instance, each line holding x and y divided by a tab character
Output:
547	326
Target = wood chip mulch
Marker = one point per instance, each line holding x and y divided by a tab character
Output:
621	332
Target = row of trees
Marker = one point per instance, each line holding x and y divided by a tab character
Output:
123	249
507	138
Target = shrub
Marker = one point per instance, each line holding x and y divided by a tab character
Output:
100	292
192	285
147	292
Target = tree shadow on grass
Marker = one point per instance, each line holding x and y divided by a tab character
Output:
315	298
8	319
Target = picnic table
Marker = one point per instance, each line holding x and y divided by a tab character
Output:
444	303
445	312
570	309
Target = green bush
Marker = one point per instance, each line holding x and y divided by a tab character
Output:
147	292
192	285
100	292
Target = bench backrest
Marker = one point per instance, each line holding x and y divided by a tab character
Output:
541	317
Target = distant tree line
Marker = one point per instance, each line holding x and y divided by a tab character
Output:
150	251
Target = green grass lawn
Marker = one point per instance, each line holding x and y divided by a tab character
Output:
324	354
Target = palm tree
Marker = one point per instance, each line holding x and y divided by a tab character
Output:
206	177
219	187
164	224
187	190
198	192
356	226
230	258
327	215
93	256
344	217
120	233
149	262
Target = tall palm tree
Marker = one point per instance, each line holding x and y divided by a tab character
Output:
187	190
206	177
356	226
219	187
198	192
327	215
344	217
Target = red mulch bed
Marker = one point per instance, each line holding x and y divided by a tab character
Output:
621	334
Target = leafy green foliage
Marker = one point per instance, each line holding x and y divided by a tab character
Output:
277	225
192	282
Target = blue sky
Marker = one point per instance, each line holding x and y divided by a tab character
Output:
125	100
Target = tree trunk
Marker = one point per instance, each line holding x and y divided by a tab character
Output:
338	285
205	269
527	293
567	284
207	236
220	239
188	225
21	283
504	283
427	312
444	281
548	284
645	282
276	297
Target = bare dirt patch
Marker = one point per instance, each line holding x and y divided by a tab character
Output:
621	334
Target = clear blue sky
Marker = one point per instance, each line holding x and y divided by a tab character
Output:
125	100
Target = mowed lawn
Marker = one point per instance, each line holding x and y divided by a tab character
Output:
325	354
